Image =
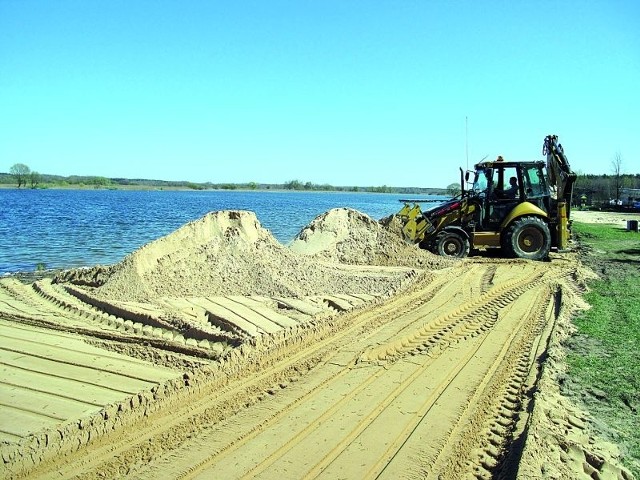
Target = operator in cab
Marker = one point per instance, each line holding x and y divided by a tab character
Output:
512	191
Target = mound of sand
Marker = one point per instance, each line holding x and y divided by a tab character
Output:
230	253
347	236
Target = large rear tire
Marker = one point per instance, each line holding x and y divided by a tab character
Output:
528	237
452	244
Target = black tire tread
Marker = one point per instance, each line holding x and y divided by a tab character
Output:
513	231
440	238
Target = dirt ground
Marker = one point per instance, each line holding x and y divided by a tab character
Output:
614	218
216	352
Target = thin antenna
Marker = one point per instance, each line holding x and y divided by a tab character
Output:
466	140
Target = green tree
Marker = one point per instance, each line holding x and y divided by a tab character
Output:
453	189
293	185
34	178
21	172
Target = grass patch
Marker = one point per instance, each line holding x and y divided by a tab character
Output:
604	357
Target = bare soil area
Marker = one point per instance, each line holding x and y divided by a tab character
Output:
216	352
612	218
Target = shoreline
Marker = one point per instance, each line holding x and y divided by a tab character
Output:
239	188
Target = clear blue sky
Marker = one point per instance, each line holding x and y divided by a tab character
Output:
336	91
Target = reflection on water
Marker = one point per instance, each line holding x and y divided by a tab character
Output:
70	228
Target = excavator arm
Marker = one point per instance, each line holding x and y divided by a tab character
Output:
561	177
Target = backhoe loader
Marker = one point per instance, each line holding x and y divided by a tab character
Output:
521	207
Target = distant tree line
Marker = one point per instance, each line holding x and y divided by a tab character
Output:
601	189
309	186
604	190
22	176
597	189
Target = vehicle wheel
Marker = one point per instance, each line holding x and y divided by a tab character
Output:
528	237
452	244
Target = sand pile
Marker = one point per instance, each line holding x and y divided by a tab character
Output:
229	253
347	236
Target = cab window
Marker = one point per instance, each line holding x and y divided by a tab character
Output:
509	183
534	182
481	181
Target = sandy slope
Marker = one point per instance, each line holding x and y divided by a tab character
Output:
281	364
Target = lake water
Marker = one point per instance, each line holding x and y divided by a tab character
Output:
71	228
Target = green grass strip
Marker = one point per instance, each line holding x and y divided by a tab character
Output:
604	362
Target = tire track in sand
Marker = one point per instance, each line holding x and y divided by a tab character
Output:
219	396
333	345
495	299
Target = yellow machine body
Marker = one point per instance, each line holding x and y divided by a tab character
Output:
522	207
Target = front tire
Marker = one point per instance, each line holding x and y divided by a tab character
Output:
528	237
452	244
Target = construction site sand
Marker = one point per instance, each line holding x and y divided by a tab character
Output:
230	253
347	236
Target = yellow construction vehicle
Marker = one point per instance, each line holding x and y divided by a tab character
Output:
521	207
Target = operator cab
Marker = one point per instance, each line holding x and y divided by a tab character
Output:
500	186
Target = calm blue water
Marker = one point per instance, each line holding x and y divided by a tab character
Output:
71	228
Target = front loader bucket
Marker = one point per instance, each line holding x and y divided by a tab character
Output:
415	229
409	213
409	230
414	223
